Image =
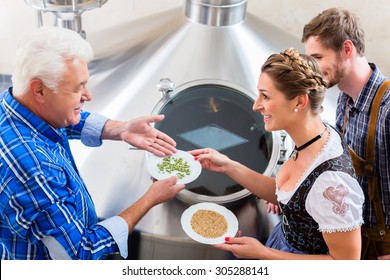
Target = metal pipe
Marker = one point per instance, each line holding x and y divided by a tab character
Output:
216	12
74	5
67	12
39	18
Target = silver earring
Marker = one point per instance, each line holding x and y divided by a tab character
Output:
296	110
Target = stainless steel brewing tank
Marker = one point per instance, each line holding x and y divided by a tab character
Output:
210	57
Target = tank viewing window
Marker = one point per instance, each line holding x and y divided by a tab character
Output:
213	136
221	118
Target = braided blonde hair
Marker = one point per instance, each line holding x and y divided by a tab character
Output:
295	74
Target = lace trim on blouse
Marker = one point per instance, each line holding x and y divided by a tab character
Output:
342	229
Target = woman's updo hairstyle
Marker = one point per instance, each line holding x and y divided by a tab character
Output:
295	74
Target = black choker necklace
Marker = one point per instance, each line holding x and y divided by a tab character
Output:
294	154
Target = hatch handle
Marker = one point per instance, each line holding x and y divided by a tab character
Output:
165	86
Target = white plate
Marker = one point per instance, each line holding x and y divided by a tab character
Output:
155	172
231	220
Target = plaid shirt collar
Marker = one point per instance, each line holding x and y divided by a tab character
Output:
363	102
17	110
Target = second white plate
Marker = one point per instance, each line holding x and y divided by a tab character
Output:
231	220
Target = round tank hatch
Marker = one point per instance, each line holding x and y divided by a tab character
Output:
220	117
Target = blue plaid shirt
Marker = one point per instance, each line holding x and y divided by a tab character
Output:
356	138
4	252
41	192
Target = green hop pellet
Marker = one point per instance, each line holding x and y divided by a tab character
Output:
177	165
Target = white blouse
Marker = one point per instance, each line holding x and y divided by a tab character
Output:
336	199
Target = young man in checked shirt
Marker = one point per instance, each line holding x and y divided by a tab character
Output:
46	211
336	39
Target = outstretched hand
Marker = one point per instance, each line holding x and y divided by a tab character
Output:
211	159
140	134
